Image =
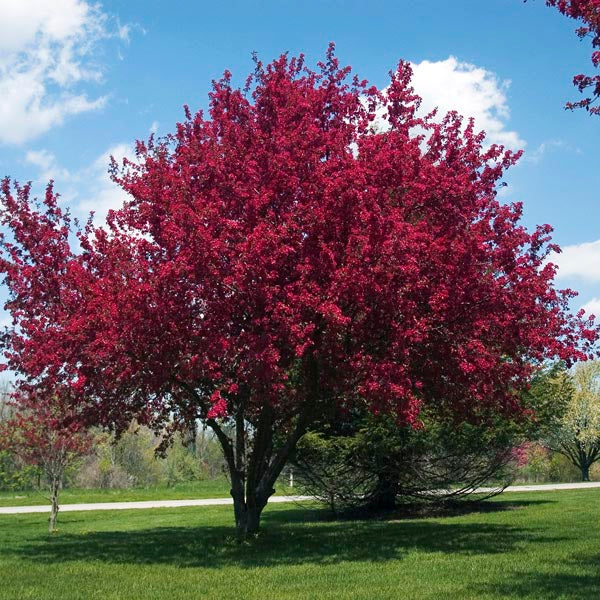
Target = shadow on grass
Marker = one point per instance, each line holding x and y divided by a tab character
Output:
576	579
426	510
288	537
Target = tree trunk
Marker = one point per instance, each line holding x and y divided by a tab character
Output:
384	496
55	488
247	507
584	462
253	462
247	521
190	441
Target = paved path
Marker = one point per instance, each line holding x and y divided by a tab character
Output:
549	487
7	510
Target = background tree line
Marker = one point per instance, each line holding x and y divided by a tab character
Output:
357	458
127	462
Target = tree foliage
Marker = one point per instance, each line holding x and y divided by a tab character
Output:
373	463
276	258
588	12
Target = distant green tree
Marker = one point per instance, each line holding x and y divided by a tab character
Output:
569	404
180	464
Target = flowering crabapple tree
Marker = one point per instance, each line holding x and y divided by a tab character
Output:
45	432
277	259
588	12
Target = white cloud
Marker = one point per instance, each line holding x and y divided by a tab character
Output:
41	158
45	53
88	189
592	307
581	261
123	32
46	162
535	156
471	91
103	194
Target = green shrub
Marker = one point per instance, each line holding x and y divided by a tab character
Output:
181	465
14	475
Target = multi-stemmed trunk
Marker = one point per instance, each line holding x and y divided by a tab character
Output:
54	491
585	472
587	455
257	442
582	455
248	506
255	459
254	463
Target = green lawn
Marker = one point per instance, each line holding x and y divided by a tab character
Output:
526	545
218	488
201	489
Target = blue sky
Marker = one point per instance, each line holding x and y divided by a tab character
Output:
80	81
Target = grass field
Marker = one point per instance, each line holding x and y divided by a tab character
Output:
529	545
217	488
201	489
